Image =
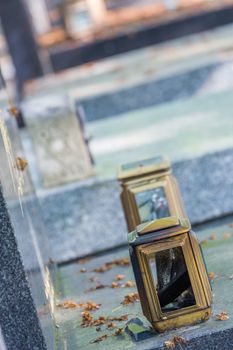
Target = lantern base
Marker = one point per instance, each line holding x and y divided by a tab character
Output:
182	320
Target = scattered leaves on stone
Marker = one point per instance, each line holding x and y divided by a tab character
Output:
99	339
21	163
131	298
88	306
222	316
109	265
113	285
89	321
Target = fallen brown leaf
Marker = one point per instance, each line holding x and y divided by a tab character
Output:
13	110
109	265
119	318
98	340
213	237
130	299
118	332
178	339
21	163
226	235
169	344
222	316
129	284
119	277
111	325
83	270
69	304
83	261
212	275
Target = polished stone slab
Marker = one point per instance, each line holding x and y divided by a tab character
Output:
74	281
87	217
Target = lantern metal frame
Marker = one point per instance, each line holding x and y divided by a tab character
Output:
146	178
157	236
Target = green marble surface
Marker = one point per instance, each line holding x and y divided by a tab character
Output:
182	129
71	285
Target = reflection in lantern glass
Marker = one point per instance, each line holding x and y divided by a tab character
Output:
171	279
152	204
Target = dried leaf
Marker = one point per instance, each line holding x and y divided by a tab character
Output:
111	325
98	340
119	277
118	332
226	235
212	275
68	304
119	318
98	286
109	265
169	344
21	163
178	339
87	319
213	237
222	316
129	284
90	306
13	110
83	270
230	225
130	298
83	261
116	285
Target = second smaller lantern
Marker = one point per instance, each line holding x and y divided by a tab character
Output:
149	191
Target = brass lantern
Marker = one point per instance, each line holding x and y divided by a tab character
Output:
149	191
170	273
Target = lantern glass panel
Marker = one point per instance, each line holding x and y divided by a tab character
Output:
152	204
171	279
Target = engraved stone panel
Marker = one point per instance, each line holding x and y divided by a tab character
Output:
58	141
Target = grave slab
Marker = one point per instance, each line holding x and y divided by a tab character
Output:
77	278
76	214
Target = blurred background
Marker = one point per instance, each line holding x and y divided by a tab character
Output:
87	85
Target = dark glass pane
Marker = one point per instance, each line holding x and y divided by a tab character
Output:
152	204
171	279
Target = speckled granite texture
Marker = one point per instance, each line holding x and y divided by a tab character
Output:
151	93
18	318
83	219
